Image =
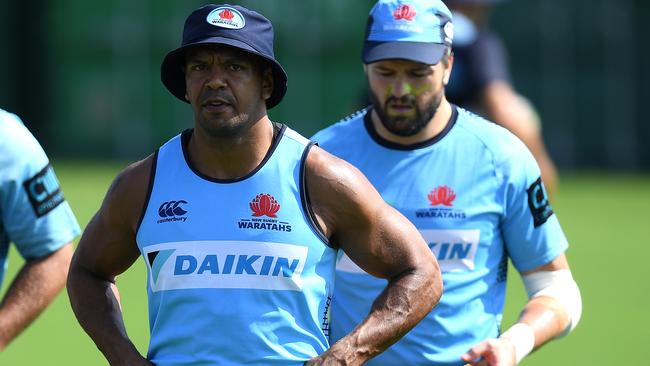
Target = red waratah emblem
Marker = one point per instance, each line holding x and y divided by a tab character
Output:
442	195
264	204
404	12
226	14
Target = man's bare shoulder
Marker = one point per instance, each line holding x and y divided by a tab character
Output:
340	195
127	195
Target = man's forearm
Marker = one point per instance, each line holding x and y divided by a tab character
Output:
403	303
97	309
33	289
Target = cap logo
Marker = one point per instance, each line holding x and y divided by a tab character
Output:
226	17
449	32
405	12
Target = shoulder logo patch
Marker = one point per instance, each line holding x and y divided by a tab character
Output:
538	203
44	191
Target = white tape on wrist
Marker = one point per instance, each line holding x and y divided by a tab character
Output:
522	337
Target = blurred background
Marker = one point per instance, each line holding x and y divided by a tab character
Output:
84	76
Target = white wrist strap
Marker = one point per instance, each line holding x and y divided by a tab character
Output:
522	337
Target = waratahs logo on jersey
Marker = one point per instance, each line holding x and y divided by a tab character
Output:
264	215
172	211
405	12
442	195
226	17
442	199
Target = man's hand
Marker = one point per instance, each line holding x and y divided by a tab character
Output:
491	352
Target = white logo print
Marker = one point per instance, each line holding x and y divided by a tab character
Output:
225	264
226	17
454	249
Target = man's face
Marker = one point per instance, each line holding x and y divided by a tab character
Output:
406	94
227	89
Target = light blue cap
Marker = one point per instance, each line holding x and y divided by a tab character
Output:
414	30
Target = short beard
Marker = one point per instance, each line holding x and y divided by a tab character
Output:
406	126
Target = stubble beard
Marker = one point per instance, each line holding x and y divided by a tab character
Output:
406	126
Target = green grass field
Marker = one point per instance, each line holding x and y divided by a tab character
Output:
606	217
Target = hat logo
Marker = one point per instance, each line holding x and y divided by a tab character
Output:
405	12
226	17
226	14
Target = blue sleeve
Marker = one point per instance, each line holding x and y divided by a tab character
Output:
34	213
531	229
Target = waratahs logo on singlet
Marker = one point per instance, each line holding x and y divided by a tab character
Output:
264	215
441	202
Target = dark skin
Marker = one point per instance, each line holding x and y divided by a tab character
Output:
227	89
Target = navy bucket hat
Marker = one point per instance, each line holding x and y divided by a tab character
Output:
414	30
230	25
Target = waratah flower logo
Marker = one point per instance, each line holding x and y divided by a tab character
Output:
264	205
442	195
404	12
226	14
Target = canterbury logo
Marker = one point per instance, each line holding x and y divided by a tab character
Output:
264	205
405	12
442	195
171	209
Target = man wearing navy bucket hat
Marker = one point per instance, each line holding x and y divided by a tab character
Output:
239	221
471	188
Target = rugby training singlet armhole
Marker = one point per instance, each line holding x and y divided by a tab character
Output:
185	139
306	203
152	177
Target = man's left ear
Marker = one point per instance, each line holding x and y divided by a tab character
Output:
267	83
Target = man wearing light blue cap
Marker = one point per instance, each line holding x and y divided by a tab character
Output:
471	188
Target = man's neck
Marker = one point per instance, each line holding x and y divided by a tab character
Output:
231	157
432	129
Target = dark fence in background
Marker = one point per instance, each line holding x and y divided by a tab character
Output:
84	75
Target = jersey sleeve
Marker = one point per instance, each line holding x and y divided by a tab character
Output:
34	212
531	229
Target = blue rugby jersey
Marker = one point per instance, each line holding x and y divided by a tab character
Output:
34	215
237	273
475	195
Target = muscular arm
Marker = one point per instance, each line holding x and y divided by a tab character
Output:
510	110
33	289
383	243
106	249
546	316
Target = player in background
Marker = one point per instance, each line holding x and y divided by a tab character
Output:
471	188
239	221
481	82
35	217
